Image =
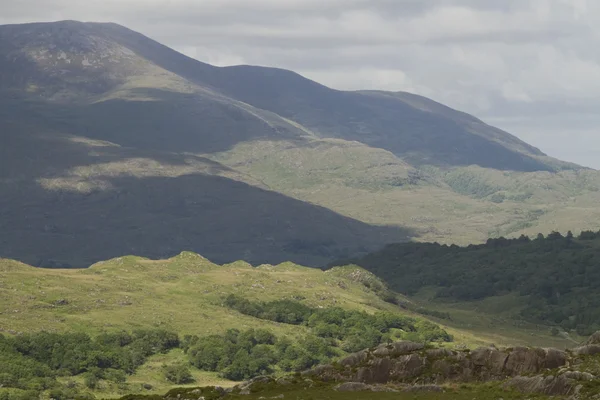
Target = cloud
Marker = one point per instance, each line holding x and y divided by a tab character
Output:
517	63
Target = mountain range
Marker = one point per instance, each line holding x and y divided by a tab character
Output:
114	144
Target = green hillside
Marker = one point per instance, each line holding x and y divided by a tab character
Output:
186	296
549	280
132	318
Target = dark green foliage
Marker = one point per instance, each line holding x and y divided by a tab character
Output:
240	355
356	330
34	361
558	274
286	311
178	374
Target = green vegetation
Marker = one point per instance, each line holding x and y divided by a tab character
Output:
187	295
556	276
355	330
178	374
32	363
244	355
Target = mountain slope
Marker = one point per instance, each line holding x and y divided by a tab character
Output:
424	136
396	122
70	200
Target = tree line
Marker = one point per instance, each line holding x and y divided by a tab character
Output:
557	275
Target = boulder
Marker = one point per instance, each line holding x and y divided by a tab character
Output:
554	358
587	350
523	360
488	360
594	339
355	359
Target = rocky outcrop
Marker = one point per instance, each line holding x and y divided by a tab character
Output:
586	350
563	383
594	339
405	362
414	367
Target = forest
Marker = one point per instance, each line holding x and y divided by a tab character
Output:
558	276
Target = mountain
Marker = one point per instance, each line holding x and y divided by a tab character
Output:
115	144
70	60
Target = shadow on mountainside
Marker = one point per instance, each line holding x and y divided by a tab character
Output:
107	203
158	217
154	119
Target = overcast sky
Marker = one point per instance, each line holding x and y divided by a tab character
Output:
531	67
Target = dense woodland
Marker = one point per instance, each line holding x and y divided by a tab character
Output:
559	276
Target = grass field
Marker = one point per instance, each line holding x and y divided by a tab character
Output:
324	391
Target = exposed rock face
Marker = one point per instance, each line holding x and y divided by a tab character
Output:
411	367
587	350
550	385
405	362
594	339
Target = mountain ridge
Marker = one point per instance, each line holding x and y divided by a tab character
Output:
292	96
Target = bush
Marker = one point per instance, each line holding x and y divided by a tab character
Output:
178	373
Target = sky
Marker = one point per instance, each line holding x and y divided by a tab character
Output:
531	67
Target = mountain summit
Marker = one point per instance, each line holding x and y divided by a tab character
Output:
74	61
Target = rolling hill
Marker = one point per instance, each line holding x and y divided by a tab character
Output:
189	295
115	144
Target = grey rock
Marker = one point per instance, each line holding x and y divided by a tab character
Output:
396	349
594	339
587	350
549	385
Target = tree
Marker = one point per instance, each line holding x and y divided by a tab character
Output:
178	373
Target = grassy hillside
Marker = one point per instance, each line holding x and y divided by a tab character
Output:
188	294
183	293
551	280
459	205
